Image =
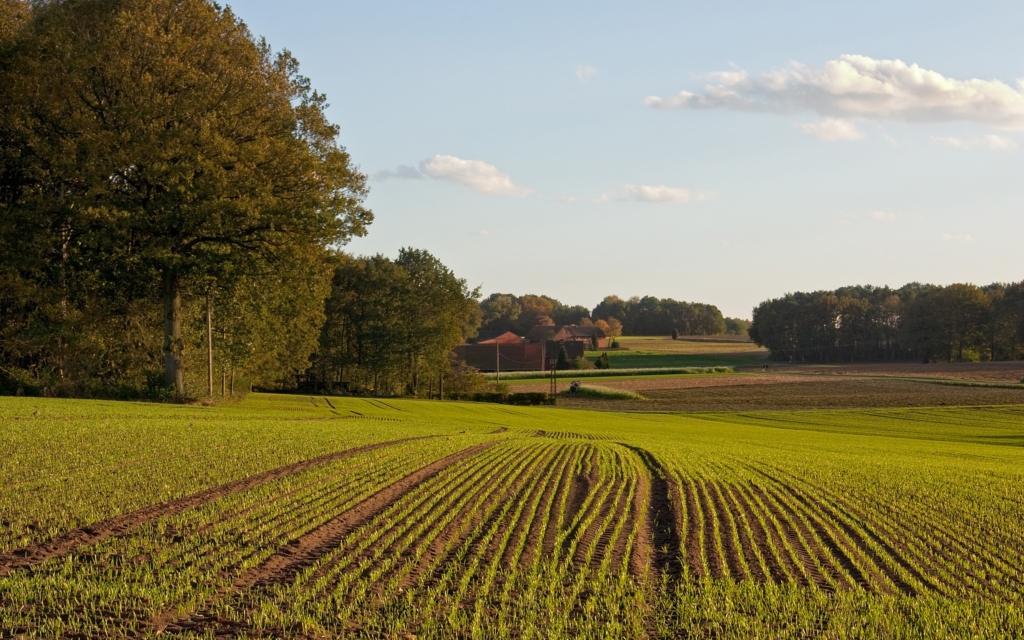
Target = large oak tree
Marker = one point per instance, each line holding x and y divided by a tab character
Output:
159	142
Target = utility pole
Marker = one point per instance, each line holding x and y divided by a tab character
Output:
209	344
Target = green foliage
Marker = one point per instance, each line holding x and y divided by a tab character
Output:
960	322
603	393
604	373
519	314
737	326
563	360
675	334
391	325
602	362
650	316
837	524
154	151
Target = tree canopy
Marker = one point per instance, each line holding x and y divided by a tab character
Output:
958	322
154	151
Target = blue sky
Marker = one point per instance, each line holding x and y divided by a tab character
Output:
723	153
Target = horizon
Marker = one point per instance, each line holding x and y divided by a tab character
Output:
724	155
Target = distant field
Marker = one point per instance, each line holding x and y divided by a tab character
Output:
312	517
647	351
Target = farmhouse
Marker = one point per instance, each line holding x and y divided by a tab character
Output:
510	356
568	333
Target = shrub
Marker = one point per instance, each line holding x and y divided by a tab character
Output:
581	363
602	362
563	360
675	334
603	393
615	344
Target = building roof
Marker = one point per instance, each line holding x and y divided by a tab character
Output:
514	357
491	337
564	333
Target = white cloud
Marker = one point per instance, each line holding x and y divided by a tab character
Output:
946	237
831	129
884	216
475	174
584	72
989	141
403	172
861	87
653	193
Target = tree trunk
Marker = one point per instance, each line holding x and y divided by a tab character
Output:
232	381
209	345
172	332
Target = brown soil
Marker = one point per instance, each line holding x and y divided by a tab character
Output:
659	533
693	547
807	565
546	496
743	532
807	392
304	551
975	371
66	543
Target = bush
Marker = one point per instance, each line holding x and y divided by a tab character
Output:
530	398
603	362
581	363
675	334
615	344
603	393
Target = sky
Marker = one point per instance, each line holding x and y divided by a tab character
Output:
725	152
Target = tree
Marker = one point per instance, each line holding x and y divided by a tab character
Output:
563	360
166	146
603	362
390	325
675	334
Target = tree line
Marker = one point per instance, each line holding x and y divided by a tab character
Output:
633	317
919	322
173	204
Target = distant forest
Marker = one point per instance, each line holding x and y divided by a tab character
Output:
633	317
919	322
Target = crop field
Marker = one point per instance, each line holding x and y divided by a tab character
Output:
312	517
657	351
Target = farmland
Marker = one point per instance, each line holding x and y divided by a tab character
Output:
325	517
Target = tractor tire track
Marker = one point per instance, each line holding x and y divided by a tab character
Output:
66	543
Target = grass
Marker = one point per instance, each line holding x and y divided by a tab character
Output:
510	522
613	373
603	393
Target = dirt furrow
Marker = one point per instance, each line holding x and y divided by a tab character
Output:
540	539
66	543
662	522
717	567
828	552
694	546
528	530
745	531
766	539
727	532
807	564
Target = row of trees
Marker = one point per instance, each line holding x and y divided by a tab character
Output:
636	316
166	184
391	325
650	316
959	322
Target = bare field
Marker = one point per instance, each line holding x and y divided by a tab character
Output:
974	371
796	392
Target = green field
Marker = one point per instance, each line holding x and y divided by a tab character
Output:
658	351
290	516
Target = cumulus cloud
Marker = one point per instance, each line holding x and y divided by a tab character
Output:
884	216
998	143
653	193
475	174
948	237
861	87
403	172
584	72
831	129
